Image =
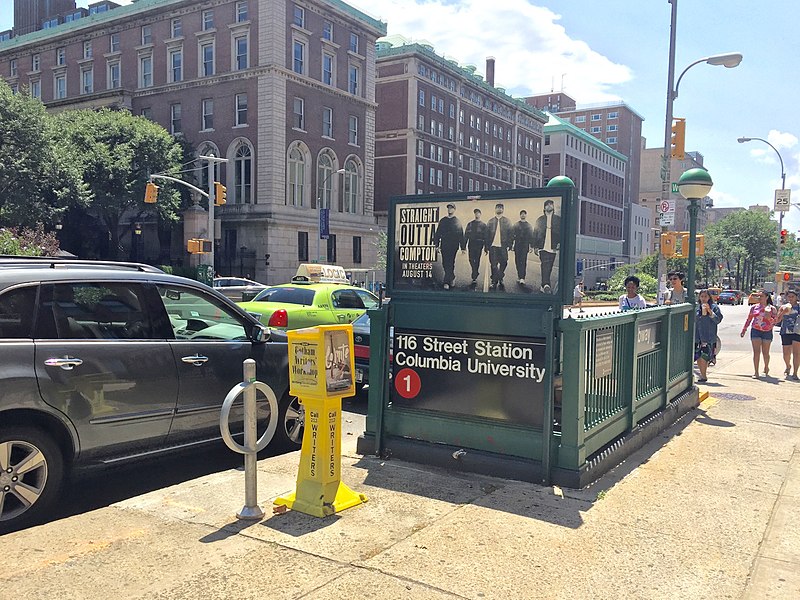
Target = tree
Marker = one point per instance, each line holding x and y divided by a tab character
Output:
115	152
744	243
37	179
28	242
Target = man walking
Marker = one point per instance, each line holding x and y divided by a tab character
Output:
498	242
448	237
546	242
474	242
523	240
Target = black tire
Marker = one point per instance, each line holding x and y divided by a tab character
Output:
28	497
291	423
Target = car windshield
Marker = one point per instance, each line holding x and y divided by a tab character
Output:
287	295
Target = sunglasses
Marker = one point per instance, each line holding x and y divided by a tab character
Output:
674	278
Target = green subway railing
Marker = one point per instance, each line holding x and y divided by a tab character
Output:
617	370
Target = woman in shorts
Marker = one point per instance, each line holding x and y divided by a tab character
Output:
761	320
790	333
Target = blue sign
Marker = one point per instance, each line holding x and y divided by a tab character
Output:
324	223
579	267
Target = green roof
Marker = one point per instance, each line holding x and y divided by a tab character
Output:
561	125
142	6
456	69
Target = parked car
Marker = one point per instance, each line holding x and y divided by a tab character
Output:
105	362
317	295
714	292
731	297
361	350
238	289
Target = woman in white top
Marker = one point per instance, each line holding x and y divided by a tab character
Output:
631	298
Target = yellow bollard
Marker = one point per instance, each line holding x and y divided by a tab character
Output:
321	368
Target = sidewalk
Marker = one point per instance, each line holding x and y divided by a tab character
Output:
708	510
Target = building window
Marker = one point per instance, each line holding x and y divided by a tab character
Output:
352	130
175	65
207	59
351	187
611	140
241	109
241	48
595	129
87	80
297	172
60	87
327	122
208	113
208	20
302	246
36	89
420	148
147	113
145	71
596	117
327	68
357	250
174	118
243	174
420	173
50	23
354	43
147	35
327	31
13	67
114	75
431	175
113	42
546	160
241	11
353	80
324	181
611	128
87	49
176	27
61	54
35	63
299	113
298	55
613	115
422	97
332	248
299	17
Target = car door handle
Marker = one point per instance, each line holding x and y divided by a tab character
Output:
67	363
195	360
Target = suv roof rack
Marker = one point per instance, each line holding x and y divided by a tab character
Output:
58	262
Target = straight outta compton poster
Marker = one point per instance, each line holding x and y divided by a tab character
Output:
509	245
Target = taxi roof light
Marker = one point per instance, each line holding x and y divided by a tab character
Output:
315	273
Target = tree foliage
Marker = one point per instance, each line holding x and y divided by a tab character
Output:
28	242
37	178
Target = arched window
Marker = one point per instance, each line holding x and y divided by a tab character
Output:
201	173
297	173
352	187
325	180
243	174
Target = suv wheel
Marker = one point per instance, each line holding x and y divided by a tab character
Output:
291	423
31	475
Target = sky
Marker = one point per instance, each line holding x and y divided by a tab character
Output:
617	50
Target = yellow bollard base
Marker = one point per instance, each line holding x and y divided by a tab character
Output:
316	507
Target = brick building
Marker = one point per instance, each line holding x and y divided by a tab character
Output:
284	90
441	128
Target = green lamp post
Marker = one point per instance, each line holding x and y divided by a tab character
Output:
694	185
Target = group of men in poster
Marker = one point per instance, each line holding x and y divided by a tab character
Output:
495	238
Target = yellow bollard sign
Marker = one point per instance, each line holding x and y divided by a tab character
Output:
321	368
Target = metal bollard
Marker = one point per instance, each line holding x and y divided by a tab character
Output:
251	447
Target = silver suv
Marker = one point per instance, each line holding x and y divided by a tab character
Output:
104	362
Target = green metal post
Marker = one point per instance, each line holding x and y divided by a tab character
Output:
572	453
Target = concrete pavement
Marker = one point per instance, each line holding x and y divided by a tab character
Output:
707	510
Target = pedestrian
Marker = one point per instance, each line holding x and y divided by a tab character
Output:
499	240
762	316
447	239
577	296
631	298
789	318
523	241
474	242
707	318
677	293
546	242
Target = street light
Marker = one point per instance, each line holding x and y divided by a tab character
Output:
729	61
693	185
319	204
742	140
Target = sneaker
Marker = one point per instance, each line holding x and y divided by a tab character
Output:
546	289
702	380
522	282
475	280
446	286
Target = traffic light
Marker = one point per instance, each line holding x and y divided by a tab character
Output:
784	233
220	194
668	239
787	276
151	193
701	244
678	143
198	246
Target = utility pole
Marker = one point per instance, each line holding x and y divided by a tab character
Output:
211	161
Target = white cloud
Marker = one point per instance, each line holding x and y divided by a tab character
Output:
532	50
